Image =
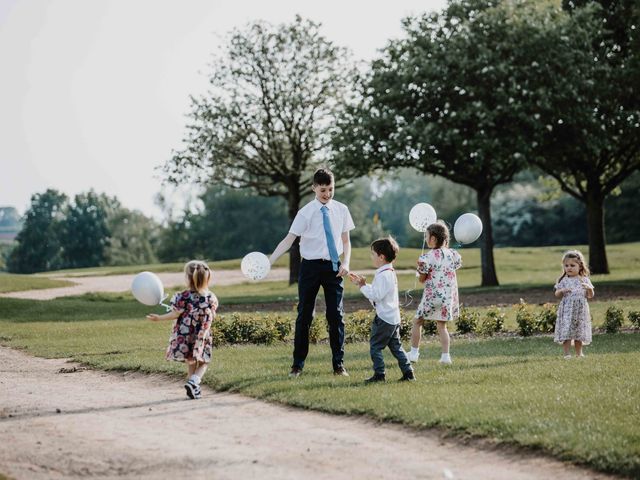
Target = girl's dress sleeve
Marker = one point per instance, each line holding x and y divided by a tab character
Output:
457	259
558	284
588	282
423	263
178	302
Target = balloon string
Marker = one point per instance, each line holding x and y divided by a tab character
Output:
164	304
407	294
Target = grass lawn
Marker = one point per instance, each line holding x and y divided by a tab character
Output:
512	390
10	282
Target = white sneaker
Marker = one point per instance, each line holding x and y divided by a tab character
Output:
413	357
445	359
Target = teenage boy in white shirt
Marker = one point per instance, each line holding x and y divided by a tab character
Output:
383	294
323	226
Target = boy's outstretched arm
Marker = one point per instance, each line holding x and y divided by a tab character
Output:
282	247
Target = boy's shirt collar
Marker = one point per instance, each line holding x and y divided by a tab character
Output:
319	204
386	266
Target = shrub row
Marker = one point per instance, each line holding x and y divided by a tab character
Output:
268	328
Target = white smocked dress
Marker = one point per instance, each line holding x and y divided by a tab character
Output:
574	317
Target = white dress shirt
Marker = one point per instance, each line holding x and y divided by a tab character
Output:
309	226
383	294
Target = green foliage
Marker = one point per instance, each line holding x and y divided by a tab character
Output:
84	233
613	319
254	328
634	318
133	238
468	320
493	322
231	217
38	243
526	320
319	330
546	318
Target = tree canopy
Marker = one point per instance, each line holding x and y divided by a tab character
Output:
265	124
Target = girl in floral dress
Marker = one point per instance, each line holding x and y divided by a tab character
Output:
437	269
193	311
574	318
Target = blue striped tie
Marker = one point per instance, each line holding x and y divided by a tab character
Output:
333	252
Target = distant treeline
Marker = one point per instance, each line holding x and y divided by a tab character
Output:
93	229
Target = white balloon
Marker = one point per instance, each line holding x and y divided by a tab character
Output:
147	288
255	265
421	216
468	228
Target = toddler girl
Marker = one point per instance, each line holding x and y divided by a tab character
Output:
574	318
437	269
193	311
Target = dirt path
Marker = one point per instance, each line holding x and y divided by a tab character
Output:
103	425
122	283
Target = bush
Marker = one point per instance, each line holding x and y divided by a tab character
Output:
250	328
546	318
493	322
319	330
634	318
525	319
358	326
467	322
406	324
613	319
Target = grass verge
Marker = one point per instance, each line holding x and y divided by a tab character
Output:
511	390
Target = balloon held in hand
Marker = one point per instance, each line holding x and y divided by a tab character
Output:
255	265
468	228
421	216
147	289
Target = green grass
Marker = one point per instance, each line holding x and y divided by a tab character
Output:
511	390
10	282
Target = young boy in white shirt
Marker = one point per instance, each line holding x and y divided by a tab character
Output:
383	294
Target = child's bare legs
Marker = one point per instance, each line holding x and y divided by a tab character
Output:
578	345
566	346
416	332
200	369
444	336
191	369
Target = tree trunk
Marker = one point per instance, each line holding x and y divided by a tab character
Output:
489	277
597	243
294	251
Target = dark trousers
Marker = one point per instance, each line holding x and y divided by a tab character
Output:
384	335
313	275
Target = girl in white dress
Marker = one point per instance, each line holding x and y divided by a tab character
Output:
574	318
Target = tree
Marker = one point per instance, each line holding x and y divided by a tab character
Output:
133	239
84	232
38	243
589	101
265	125
452	99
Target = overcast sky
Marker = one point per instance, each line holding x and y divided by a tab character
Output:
93	93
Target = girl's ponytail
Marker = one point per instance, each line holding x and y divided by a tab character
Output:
198	274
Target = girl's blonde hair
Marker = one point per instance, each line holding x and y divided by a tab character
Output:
198	274
583	271
440	231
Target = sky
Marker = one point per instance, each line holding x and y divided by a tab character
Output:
94	94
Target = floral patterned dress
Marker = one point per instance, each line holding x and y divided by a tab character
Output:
440	297
191	339
574	317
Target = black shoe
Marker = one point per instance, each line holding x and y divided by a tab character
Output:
340	371
295	372
377	377
408	377
193	390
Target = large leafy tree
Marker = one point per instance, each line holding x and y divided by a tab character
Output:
453	99
84	232
589	102
38	242
265	124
